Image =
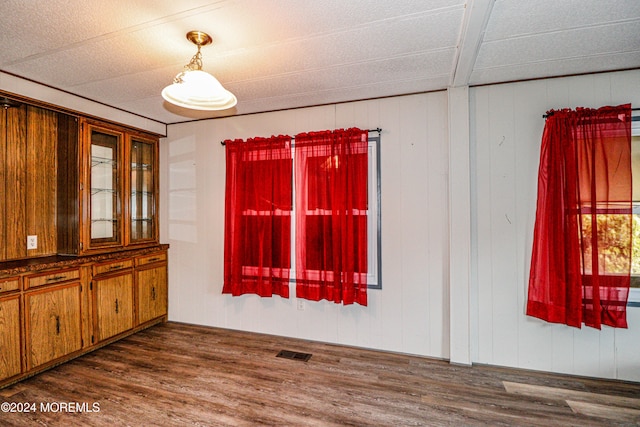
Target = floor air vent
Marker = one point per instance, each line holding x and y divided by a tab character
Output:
294	355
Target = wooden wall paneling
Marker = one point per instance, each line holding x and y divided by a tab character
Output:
505	335
401	317
459	226
503	226
16	183
529	125
437	186
391	149
41	174
482	291
415	215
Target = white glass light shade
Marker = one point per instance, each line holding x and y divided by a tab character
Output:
200	91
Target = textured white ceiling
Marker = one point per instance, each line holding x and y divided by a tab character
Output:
278	54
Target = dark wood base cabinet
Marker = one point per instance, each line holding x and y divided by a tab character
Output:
58	308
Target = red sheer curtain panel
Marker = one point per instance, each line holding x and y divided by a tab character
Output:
581	259
331	215
258	208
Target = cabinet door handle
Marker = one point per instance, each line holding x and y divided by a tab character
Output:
57	325
153	293
117	306
56	278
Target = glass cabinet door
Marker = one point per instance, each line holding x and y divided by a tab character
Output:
142	198
105	198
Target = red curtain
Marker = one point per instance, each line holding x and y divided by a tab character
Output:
331	215
258	207
581	260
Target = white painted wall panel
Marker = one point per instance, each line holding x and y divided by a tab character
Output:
506	130
408	315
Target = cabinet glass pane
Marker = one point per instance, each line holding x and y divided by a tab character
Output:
104	188
142	191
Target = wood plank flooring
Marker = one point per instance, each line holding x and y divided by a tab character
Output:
182	375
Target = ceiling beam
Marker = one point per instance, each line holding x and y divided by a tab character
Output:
475	21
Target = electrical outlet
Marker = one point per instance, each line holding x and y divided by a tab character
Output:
300	304
32	242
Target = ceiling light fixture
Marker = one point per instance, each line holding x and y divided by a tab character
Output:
197	89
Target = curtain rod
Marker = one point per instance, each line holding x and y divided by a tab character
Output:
293	137
633	118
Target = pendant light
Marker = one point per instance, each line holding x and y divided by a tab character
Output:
197	89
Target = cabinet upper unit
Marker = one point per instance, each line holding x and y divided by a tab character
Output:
118	188
72	185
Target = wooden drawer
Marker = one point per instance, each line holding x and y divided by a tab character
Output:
51	278
112	266
9	284
151	259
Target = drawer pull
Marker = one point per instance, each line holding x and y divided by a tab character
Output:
116	267
56	278
154	259
57	325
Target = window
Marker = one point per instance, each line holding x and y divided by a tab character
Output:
611	223
373	216
260	216
582	247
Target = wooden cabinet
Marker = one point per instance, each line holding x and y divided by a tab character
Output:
151	284
10	343
80	186
54	314
102	187
29	137
52	277
113	301
142	188
88	191
53	323
119	190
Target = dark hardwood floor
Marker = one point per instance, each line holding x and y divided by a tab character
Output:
175	374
